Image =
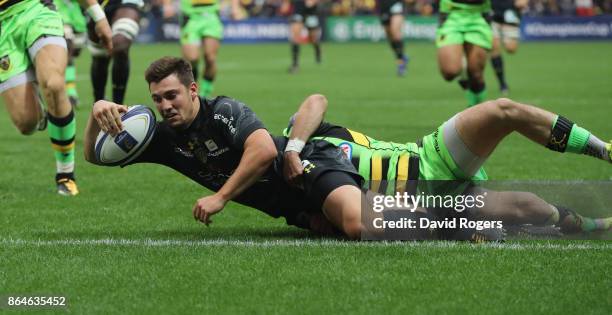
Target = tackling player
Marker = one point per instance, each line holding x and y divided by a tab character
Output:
32	65
304	15
506	33
124	16
202	27
456	151
75	28
463	39
391	13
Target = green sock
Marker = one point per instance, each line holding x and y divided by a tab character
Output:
577	140
475	98
206	87
62	132
70	81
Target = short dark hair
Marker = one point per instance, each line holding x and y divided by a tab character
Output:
165	66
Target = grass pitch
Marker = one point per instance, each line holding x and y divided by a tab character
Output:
128	243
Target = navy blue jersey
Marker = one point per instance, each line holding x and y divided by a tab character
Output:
210	150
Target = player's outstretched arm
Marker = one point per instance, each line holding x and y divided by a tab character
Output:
103	29
306	121
104	116
259	153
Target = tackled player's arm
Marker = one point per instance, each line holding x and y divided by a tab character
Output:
104	116
102	27
306	121
259	153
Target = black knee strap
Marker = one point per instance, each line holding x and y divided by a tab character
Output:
560	134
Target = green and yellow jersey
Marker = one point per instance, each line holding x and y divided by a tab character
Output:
387	167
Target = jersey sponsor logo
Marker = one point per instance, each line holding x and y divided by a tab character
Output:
5	63
229	122
347	149
308	166
219	152
183	152
211	145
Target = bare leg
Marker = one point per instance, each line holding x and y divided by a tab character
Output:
476	61
295	29
22	105
314	35
211	48
125	29
343	208
482	127
50	68
191	53
394	35
498	65
450	61
515	208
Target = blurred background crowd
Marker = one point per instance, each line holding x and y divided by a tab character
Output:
282	8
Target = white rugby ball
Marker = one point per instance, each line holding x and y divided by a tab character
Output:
138	129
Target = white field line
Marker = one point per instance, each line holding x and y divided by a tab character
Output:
298	243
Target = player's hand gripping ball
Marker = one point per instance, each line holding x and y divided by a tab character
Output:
138	129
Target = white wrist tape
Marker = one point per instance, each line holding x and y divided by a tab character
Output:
96	13
295	145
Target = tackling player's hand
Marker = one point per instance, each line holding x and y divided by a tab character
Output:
103	30
108	116
293	169
206	207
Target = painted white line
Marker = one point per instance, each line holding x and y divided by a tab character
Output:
574	245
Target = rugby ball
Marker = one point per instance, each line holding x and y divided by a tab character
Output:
138	129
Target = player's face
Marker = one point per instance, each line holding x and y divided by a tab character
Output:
175	102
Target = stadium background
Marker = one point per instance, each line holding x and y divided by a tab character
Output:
127	244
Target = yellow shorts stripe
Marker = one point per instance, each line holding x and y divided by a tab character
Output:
402	173
376	171
359	138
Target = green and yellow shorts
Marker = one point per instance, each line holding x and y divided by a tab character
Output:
26	28
459	27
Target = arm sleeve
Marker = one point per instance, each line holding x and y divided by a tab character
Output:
235	121
156	151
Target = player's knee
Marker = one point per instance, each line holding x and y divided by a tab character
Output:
525	206
318	100
210	59
26	126
125	29
507	109
353	229
450	74
53	84
121	47
475	72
